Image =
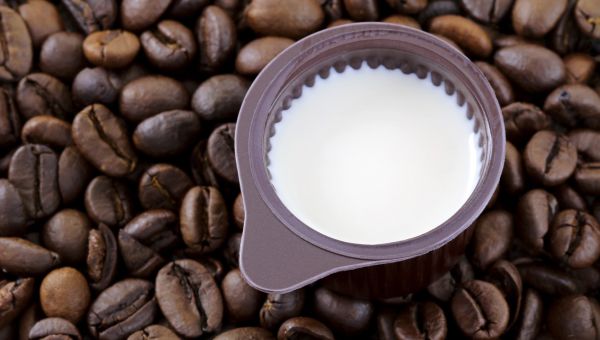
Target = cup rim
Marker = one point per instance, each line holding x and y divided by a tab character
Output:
257	107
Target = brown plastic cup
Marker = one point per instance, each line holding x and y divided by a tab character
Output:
278	252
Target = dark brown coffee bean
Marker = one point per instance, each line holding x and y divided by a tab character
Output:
14	298
163	186
66	233
464	32
111	48
108	201
220	151
587	142
253	57
403	20
568	198
362	10
217	38
54	328
74	174
535	18
167	134
566	37
304	328
21	257
550	158
189	8
280	307
587	14
154	332
513	175
444	287
238	212
189	298
587	178
13	216
102	139
123	308
574	104
491	239
506	277
18	51
10	122
48	130
535	212
137	15
170	46
64	293
548	279
344	314
95	85
574	316
61	54
580	67
201	170
255	333
500	84
480	310
522	120
220	97
407	6
41	94
488	11
34	173
92	15
293	19
534	68
423	320
42	20
204	221
531	317
147	96
574	238
242	302
101	257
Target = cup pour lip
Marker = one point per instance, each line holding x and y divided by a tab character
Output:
257	106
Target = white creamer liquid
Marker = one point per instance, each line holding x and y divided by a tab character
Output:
373	156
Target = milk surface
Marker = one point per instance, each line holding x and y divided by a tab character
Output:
373	156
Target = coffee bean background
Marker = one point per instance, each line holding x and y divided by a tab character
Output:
120	212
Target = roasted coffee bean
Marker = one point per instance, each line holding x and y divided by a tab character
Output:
513	175
566	37
580	67
221	154
220	97
14	298
102	139
574	104
535	18
568	198
108	201
506	277
344	314
362	10
214	266
48	130
204	221
534	68
42	20
137	15
74	174
21	257
587	14
64	293
66	233
217	37
154	332
242	302
189	298
293	19
550	158
34	173
42	94
587	177
438	8
17	55
111	48
92	15
191	8
423	320
407	6
238	212
243	333
253	57
548	279
170	46
535	212
61	54
491	239
575	238
13	216
587	142
464	32
304	328
10	122
95	85
201	170
499	83
121	309
101	257
531	316
167	134
280	307
480	310
488	11
163	186
403	20
574	316
147	96
54	328
522	120
443	288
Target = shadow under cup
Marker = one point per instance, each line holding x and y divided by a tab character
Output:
278	252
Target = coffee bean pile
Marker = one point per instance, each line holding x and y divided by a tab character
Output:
120	212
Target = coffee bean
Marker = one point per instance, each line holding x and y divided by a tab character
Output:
587	178
531	317
147	96
362	10
92	15
480	310
437	8
111	48
535	212
42	20
121	309
303	327
407	6
574	315
253	57
204	220
167	134
344	314
54	328
488	11
61	54
500	84
566	37
424	320
403	20
14	298
444	287
220	151
64	293
535	18
170	46
102	139
108	201
491	239
191	8
242	302
534	68
513	175
13	216
293	19
10	122
74	174
220	97
95	85
255	333
18	52
548	279
137	15
34	173
238	212
163	186
505	276
189	298
280	307
41	94
587	142
587	14
155	332
66	233
217	37
101	257
48	130
568	198
21	257
574	104
522	120
574	238
464	32
580	67
201	170
550	158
